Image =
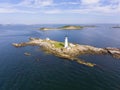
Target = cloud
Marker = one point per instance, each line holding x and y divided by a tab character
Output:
36	3
106	10
114	1
100	6
56	11
86	2
50	7
26	6
12	10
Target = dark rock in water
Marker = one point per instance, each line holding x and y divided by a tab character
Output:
37	59
74	50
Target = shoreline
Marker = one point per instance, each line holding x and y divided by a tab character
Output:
57	48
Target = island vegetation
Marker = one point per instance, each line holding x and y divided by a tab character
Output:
72	52
67	27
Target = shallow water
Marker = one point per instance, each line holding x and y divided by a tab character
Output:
42	71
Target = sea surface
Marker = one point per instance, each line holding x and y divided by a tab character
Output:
42	71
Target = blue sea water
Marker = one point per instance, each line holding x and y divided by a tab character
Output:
42	71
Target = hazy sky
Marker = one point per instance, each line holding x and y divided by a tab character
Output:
59	11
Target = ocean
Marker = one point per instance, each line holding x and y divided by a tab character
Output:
43	71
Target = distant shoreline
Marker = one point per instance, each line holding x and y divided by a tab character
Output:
67	27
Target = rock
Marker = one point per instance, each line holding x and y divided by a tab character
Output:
19	45
27	53
47	28
37	59
16	45
115	52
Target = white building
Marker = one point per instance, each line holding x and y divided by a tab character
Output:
66	42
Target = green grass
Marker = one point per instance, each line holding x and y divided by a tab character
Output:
59	44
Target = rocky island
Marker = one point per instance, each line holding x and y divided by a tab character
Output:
72	52
67	27
116	27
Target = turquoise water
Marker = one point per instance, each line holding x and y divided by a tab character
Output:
42	71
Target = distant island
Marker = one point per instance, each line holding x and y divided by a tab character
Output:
116	27
67	27
72	52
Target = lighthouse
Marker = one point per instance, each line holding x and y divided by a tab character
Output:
66	42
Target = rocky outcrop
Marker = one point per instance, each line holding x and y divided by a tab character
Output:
45	28
115	52
27	54
71	52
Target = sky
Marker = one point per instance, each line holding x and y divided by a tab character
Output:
59	11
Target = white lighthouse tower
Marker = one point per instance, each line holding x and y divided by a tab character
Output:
66	42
